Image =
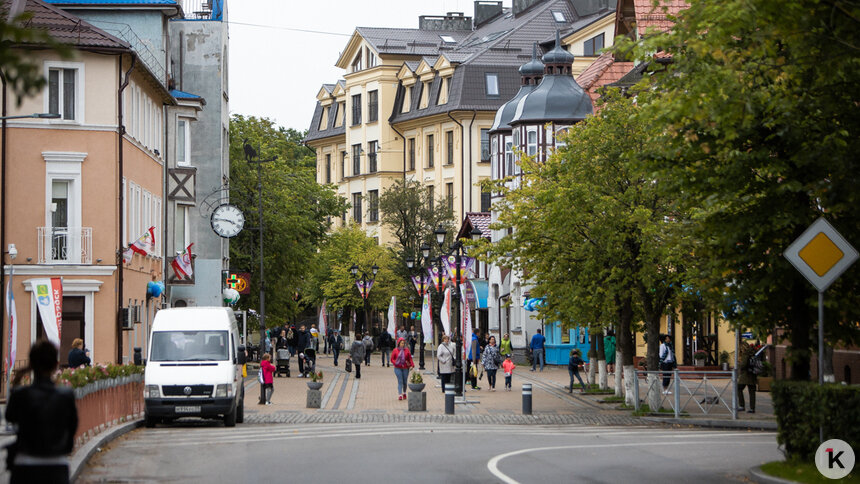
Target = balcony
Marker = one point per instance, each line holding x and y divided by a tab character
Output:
65	245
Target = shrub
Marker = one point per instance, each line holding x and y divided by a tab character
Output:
79	377
416	378
801	407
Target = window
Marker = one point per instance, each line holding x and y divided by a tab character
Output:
181	228
558	16
356	160
62	92
532	141
411	154
485	145
485	201
425	95
373	206
444	91
63	233
324	118
372	147
447	39
407	99
356	207
343	155
371	57
356	109
356	64
431	194
430	149
414	93
183	144
509	158
449	195
593	45
328	168
372	106
340	115
143	210
449	139
492	80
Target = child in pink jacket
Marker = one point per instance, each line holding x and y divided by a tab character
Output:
508	366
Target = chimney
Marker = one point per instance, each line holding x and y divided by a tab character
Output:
450	21
521	6
486	11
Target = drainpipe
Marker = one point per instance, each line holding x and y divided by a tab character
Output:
462	167
404	151
120	132
3	215
474	115
165	190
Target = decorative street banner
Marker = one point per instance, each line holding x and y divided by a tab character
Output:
364	287
49	300
427	319
466	330
144	245
392	316
418	280
437	278
323	320
13	330
445	312
182	266
450	264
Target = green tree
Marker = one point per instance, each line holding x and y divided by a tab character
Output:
758	137
296	214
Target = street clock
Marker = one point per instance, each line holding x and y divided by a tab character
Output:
227	220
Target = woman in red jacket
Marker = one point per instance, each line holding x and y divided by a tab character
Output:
401	358
268	377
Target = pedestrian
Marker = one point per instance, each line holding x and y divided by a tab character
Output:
505	347
401	358
78	356
491	359
385	345
508	366
46	420
303	342
402	333
667	362
472	360
368	348
293	339
413	338
609	350
336	344
267	343
746	378
537	347
573	363
281	343
445	357
315	337
356	354
326	339
268	370
482	338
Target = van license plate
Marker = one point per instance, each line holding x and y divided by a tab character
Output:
187	409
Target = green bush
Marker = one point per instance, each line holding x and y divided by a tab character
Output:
801	407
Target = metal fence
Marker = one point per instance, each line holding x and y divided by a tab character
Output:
690	392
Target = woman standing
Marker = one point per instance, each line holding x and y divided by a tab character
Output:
491	359
505	348
401	358
78	356
46	420
445	357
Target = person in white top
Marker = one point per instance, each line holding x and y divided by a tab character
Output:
667	362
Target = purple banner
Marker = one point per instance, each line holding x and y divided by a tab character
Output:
364	289
437	279
466	264
417	280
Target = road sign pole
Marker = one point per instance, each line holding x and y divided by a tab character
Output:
821	352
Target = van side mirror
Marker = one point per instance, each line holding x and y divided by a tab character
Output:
240	351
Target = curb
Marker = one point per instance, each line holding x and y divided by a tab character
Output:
81	456
760	477
764	425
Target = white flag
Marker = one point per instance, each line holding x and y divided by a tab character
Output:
323	318
392	316
467	328
427	319
13	331
182	266
445	312
49	301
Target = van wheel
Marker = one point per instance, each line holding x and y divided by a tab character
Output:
149	421
230	418
240	411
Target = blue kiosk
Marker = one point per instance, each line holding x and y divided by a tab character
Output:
557	350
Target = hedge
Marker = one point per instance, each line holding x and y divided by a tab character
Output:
801	407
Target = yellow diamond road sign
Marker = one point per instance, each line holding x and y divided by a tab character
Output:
821	254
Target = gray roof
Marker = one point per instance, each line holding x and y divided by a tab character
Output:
315	133
557	98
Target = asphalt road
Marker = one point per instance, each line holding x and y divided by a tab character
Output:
351	453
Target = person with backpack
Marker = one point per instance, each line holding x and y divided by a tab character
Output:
748	365
385	345
573	364
356	354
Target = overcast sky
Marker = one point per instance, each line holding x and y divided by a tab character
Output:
282	51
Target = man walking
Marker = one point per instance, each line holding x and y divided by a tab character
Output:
385	345
537	347
667	362
335	343
356	353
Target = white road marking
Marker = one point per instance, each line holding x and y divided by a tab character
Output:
352	395
329	391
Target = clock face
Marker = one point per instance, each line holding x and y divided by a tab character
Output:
227	220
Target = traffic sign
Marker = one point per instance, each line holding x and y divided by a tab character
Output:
821	254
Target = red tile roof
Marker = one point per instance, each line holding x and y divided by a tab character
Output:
649	15
65	27
476	219
604	70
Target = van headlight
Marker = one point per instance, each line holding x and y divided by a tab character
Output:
151	391
224	390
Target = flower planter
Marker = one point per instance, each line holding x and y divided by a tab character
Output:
315	385
416	387
699	362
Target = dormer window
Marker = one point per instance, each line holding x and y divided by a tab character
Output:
371	58
356	64
492	84
559	16
448	39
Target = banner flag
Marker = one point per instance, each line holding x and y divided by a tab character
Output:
49	300
182	265
360	286
466	268
364	288
466	330
445	312
144	245
437	278
427	319
417	280
323	322
13	330
392	316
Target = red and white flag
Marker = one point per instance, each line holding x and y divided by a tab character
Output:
13	330
182	264
323	319
144	245
445	312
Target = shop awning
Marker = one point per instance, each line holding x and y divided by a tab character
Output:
476	291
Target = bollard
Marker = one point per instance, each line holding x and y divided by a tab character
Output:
449	399
138	356
527	398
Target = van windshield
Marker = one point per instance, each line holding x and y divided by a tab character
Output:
189	346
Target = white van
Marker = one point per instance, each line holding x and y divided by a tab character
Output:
194	366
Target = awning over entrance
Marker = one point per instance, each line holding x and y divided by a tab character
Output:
476	291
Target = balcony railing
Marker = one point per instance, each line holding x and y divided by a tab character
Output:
65	245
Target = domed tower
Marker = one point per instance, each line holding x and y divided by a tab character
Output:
557	102
501	145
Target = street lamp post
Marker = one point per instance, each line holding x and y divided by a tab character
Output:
365	290
410	263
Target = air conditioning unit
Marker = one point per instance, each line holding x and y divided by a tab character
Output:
184	303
